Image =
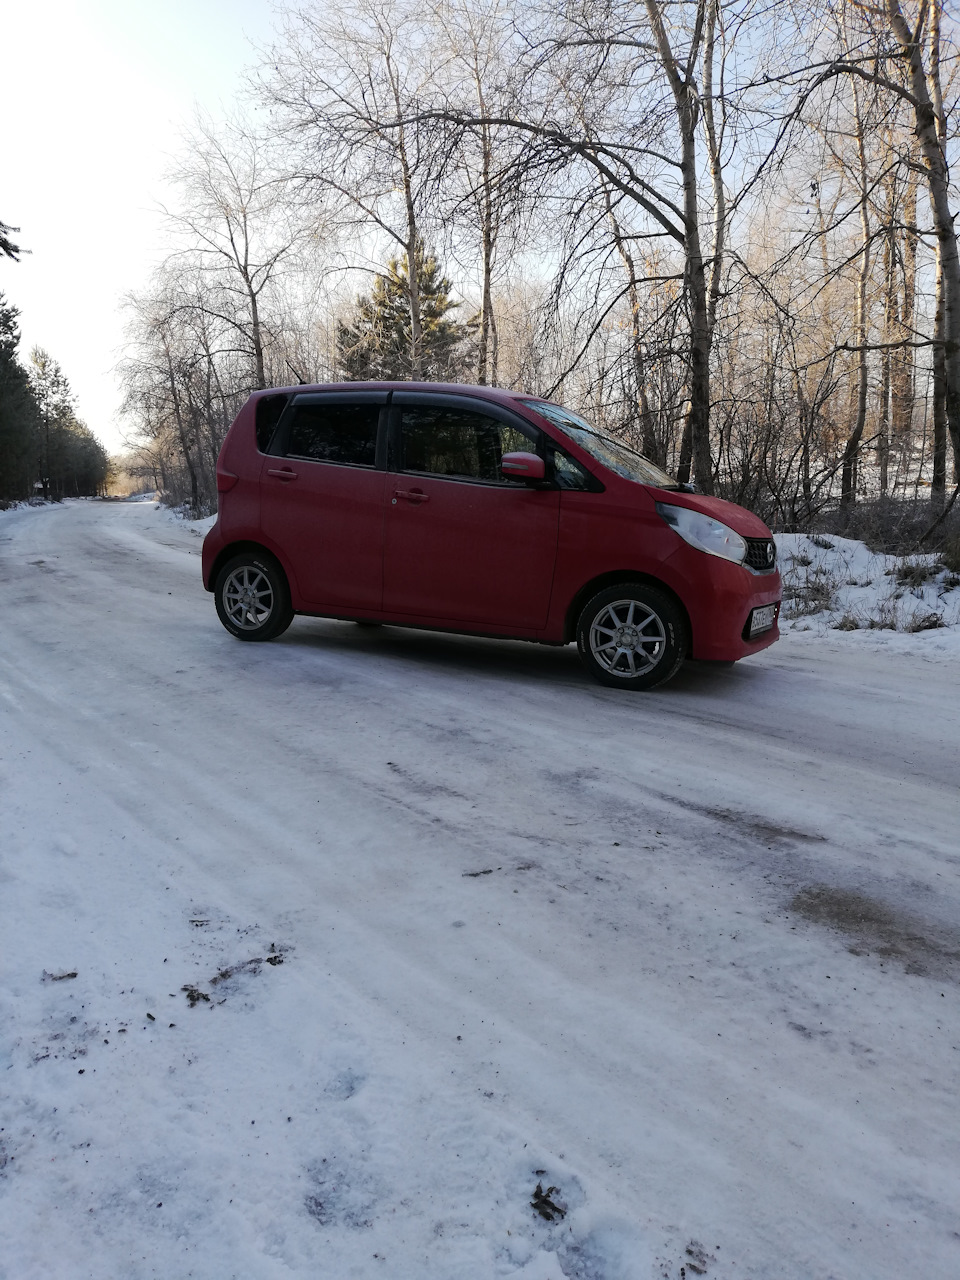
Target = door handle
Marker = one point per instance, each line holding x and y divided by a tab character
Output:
285	474
411	495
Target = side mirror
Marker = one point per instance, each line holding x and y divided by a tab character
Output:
522	466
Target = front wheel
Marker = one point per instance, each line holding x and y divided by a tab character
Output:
253	599
631	636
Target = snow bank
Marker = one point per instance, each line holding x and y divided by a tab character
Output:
840	584
180	516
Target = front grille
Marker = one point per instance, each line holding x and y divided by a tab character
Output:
761	554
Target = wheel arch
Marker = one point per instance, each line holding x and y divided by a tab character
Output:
610	579
234	549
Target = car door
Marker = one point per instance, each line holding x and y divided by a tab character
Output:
321	492
462	544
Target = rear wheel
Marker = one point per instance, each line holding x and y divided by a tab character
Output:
252	596
631	636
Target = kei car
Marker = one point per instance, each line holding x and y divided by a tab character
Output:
482	511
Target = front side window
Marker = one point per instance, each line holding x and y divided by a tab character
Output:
459	443
341	433
619	457
569	474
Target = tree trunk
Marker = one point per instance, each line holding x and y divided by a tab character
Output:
45	478
257	338
848	473
697	425
891	318
938	482
686	454
488	242
930	133
903	378
716	171
414	248
184	442
648	436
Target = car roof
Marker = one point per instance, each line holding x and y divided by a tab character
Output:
437	388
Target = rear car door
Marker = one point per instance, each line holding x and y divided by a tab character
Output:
321	496
462	544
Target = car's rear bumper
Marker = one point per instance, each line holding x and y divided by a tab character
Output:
213	544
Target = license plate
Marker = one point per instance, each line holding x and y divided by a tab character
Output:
762	619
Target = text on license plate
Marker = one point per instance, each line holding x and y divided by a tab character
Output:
762	619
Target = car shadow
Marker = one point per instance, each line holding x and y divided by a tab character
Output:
483	656
440	649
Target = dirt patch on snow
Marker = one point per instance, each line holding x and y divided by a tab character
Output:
879	930
224	983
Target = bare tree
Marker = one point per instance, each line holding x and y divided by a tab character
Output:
482	172
626	104
236	227
699	223
900	56
340	88
185	380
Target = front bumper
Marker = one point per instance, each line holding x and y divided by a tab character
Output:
720	612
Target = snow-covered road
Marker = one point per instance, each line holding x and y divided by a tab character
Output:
319	956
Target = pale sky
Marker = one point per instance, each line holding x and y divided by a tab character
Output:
94	96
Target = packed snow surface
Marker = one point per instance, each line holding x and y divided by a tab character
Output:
377	953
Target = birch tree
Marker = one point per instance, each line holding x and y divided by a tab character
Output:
236	227
340	88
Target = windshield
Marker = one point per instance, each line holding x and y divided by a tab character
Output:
619	457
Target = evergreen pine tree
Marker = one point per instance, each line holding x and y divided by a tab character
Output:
71	460
19	414
377	345
7	248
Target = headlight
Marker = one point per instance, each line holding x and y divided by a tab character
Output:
704	533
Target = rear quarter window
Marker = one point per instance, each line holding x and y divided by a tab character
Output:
269	409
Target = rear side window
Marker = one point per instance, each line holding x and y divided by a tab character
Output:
269	409
341	433
459	443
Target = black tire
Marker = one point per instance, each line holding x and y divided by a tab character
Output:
632	636
252	596
362	622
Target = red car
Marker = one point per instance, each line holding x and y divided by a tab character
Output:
482	511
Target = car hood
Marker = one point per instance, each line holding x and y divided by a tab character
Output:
737	518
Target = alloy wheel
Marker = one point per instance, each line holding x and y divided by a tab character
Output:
248	597
627	638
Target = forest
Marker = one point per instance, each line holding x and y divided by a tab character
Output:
723	231
46	452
